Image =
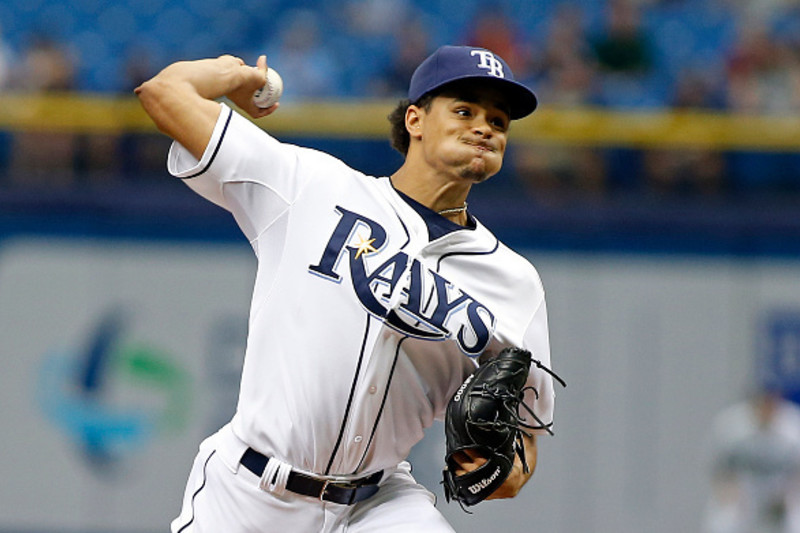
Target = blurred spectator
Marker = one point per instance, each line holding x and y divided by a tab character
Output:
565	67
692	171
369	37
46	66
308	66
625	58
763	77
565	78
554	173
411	44
493	29
759	11
688	171
376	18
756	467
45	158
698	89
6	61
622	46
763	74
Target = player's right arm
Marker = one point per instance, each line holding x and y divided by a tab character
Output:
181	98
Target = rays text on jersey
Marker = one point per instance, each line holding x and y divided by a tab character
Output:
399	289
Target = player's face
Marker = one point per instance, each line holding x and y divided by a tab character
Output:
465	133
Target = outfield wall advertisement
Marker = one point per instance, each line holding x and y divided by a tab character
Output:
118	357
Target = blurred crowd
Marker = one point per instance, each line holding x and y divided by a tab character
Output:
733	54
737	55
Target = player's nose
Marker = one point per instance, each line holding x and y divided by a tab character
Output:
481	125
482	128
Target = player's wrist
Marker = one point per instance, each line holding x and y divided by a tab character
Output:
213	78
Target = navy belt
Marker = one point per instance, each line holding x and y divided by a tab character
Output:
344	492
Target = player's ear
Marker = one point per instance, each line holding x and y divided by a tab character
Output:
414	120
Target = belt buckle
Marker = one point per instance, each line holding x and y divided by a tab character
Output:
324	489
344	485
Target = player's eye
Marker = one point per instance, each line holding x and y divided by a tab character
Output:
500	123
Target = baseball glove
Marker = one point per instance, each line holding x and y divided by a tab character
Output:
483	415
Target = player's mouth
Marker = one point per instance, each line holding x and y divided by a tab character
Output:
481	146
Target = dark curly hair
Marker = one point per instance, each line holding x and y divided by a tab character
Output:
399	137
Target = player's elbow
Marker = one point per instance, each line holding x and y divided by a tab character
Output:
152	95
149	90
157	99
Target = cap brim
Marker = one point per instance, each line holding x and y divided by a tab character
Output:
522	101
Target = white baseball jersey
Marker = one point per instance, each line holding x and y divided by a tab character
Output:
367	307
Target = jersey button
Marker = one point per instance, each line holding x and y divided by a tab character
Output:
358	438
373	389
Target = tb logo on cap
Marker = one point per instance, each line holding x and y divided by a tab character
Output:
489	62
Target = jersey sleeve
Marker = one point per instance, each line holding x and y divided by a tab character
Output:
246	171
537	341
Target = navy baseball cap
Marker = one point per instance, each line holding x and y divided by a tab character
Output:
453	63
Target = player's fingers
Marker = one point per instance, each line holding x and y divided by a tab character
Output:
260	112
260	71
475	457
467	461
263	112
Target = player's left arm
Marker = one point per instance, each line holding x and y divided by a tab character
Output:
537	340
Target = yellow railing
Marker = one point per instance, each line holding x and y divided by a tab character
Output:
367	119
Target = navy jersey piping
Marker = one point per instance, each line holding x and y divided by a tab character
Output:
350	398
452	254
201	487
405	229
216	149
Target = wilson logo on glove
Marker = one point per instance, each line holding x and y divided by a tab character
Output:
476	488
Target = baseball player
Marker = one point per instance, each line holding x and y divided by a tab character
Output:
756	466
373	299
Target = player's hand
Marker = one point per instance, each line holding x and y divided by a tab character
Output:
253	78
518	477
469	460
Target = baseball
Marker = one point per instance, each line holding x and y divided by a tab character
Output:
271	92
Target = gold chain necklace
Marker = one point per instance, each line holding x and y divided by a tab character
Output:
453	210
